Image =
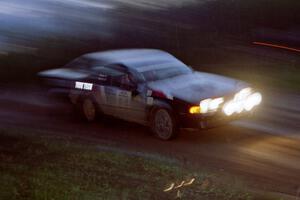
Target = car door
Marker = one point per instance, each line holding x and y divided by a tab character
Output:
107	90
117	94
130	104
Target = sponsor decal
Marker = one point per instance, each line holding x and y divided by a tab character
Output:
149	100
111	96
83	85
117	97
100	94
124	98
170	97
102	77
149	92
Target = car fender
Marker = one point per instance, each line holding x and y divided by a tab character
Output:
159	103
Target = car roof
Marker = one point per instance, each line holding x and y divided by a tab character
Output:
133	58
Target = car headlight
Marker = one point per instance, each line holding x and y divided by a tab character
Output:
243	94
229	108
243	100
208	105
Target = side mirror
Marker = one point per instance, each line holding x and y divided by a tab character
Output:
132	87
134	90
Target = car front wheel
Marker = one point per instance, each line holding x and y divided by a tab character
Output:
163	124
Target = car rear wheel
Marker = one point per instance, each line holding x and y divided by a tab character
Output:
89	110
163	124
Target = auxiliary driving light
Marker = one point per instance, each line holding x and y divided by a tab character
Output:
243	100
252	100
229	108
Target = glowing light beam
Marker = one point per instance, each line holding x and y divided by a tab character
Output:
276	46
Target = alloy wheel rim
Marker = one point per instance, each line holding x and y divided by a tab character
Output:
163	124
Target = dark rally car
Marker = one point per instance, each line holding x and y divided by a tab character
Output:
153	88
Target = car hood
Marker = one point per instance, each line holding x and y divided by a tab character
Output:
197	86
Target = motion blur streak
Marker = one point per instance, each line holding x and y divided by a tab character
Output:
255	149
40	21
160	4
276	46
84	3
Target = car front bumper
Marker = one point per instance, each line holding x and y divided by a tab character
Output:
199	121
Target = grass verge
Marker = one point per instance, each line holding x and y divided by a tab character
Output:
39	165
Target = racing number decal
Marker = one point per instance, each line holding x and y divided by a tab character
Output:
121	103
124	98
117	97
111	96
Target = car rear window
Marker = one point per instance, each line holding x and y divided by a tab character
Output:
78	63
109	71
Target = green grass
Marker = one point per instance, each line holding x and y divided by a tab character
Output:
34	165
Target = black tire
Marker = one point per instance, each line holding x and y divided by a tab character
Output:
163	124
88	109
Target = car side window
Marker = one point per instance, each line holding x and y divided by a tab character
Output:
123	82
116	75
104	74
121	78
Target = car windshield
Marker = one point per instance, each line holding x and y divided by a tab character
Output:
165	72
